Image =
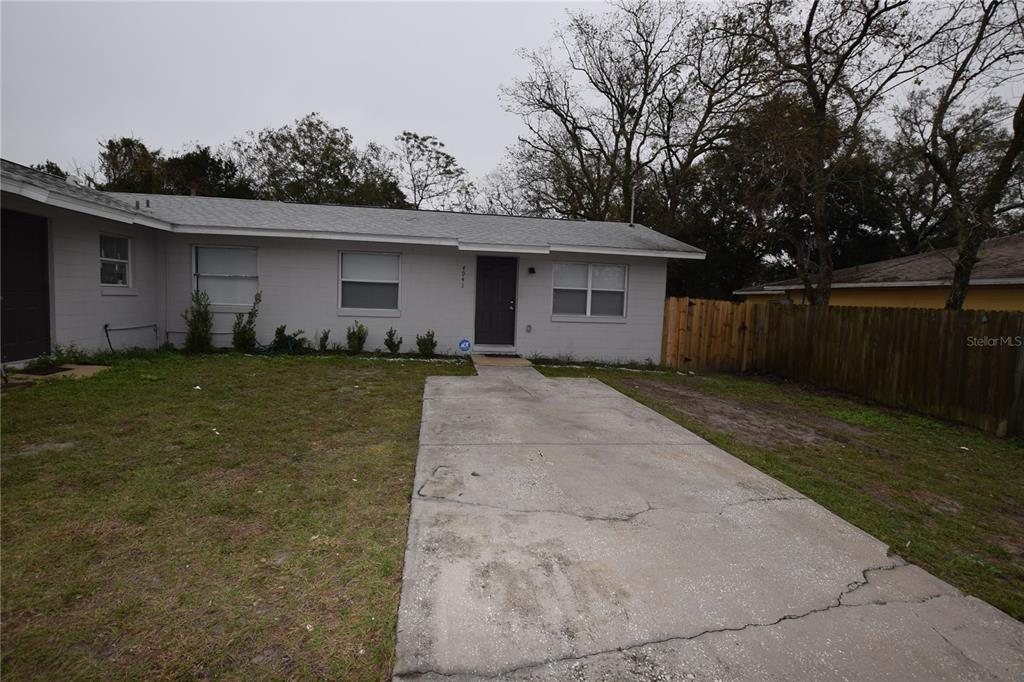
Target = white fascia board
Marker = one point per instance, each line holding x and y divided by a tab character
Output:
503	248
644	253
27	191
313	234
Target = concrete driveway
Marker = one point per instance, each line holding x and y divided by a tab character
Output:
561	530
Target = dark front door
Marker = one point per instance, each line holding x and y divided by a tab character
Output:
495	301
25	295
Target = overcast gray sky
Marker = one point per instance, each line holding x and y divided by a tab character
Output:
170	73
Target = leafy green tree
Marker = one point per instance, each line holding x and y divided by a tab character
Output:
311	161
126	164
202	172
51	167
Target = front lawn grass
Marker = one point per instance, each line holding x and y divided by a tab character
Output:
218	516
946	497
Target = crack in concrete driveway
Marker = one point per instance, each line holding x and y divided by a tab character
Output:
560	530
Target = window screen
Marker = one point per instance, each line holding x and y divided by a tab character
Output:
228	275
114	260
369	280
592	289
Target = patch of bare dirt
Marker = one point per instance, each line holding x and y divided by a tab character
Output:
42	447
937	503
761	424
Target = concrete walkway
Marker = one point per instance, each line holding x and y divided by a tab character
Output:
560	530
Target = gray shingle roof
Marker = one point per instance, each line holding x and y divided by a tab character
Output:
466	228
305	220
11	172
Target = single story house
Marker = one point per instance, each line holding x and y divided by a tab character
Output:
918	281
112	270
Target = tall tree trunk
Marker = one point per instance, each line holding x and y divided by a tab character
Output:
819	221
819	213
976	223
970	242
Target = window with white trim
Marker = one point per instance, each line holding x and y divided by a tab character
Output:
227	274
115	259
590	289
368	281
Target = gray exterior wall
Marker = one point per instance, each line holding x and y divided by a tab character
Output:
79	306
299	281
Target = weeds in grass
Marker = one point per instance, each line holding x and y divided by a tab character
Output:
253	529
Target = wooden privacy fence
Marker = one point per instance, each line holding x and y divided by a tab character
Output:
963	365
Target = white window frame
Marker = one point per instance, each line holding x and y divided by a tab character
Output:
590	289
127	262
369	311
196	274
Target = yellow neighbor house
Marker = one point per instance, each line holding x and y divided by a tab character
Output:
918	281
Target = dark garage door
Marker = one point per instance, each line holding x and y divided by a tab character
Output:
25	321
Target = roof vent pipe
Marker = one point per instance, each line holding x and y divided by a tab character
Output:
136	204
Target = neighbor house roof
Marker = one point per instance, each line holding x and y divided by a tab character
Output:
1000	261
466	231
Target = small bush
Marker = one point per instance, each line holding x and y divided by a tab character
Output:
243	331
288	343
356	336
198	324
322	338
69	354
393	344
426	344
42	363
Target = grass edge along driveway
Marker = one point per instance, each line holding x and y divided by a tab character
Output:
946	497
208	517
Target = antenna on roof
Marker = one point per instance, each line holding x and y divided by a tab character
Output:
632	201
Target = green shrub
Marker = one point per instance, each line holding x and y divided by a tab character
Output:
198	324
288	343
322	338
70	354
356	336
42	363
426	344
393	344
243	331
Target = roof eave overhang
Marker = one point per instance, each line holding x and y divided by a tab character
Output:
641	253
472	247
58	200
